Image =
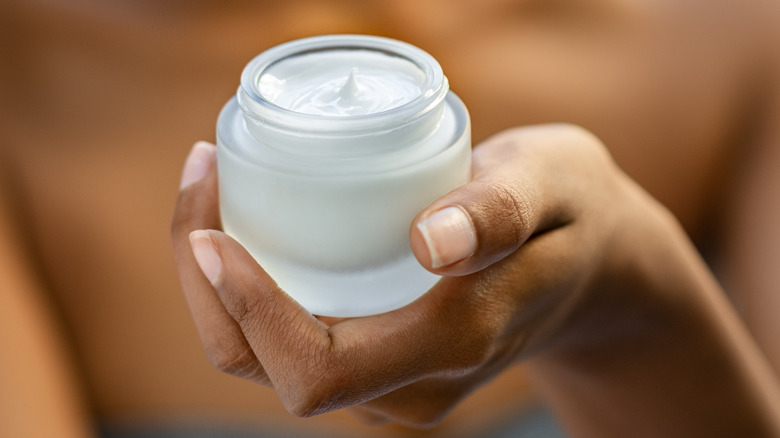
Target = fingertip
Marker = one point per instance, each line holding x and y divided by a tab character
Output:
198	163
419	247
204	143
444	237
206	254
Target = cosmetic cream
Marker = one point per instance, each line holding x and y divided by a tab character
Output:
330	148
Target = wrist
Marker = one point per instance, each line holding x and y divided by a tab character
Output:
655	335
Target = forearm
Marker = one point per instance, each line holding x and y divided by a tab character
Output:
661	353
751	244
38	394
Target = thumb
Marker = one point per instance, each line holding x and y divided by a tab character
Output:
490	217
476	226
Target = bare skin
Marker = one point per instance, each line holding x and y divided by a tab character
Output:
90	155
575	270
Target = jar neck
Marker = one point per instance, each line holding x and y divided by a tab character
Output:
343	136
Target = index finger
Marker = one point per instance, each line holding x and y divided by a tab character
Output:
196	209
315	368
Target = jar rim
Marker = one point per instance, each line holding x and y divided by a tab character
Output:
260	110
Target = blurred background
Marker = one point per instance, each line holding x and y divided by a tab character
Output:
100	101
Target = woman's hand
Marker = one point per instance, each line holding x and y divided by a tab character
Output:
549	250
518	246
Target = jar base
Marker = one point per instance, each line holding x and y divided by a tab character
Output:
356	293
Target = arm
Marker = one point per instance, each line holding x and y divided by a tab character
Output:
649	345
750	263
676	362
38	395
551	255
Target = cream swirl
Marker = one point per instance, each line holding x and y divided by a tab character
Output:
341	83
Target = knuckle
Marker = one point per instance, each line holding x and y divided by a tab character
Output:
306	383
586	144
303	407
573	129
306	400
317	387
235	360
245	308
513	209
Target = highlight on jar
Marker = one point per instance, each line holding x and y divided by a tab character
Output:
328	151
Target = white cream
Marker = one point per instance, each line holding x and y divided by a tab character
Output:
341	83
330	148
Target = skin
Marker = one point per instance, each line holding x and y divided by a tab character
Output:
37	373
679	92
576	271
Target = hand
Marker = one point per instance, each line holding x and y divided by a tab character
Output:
537	231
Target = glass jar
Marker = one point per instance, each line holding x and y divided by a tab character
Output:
330	148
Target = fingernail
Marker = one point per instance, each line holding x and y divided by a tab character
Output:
449	235
198	163
206	254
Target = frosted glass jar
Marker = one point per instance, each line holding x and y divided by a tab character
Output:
330	148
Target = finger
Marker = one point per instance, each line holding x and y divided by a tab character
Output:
291	344
420	405
449	331
425	403
515	193
538	298
197	208
315	368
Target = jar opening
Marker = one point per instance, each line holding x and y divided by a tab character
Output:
276	91
340	82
